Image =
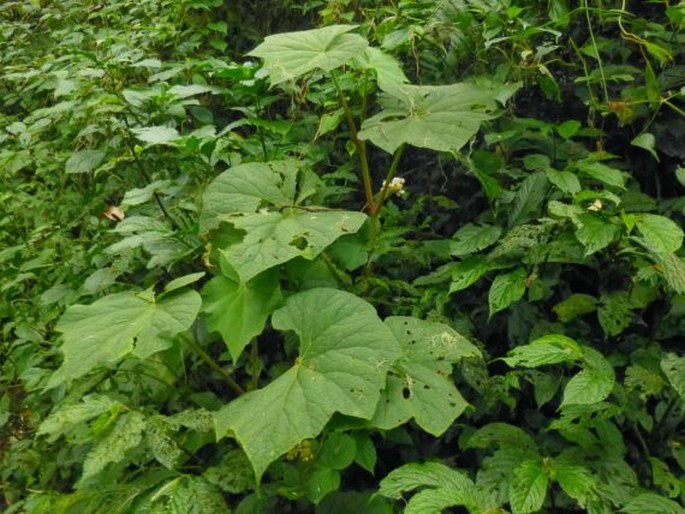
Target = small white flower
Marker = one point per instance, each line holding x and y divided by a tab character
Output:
396	186
596	206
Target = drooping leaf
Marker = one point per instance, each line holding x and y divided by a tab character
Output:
528	200
102	333
506	289
420	386
472	238
576	481
673	270
646	141
661	234
239	311
548	349
388	70
84	161
420	116
529	487
290	55
345	353
272	238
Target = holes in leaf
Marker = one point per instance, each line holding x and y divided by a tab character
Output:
406	393
299	242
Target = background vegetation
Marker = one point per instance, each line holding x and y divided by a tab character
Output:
402	256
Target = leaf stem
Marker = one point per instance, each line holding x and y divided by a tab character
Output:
359	144
235	386
383	195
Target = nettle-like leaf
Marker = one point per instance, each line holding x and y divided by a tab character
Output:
674	369
68	416
660	234
507	288
574	306
441	487
593	384
345	353
468	272
290	55
528	488
420	384
595	232
239	311
548	349
651	503
441	118
104	332
473	238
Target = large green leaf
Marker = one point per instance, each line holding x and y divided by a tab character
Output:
345	353
528	200
292	54
651	503
272	238
420	385
441	118
473	238
467	272
661	234
102	333
239	311
247	187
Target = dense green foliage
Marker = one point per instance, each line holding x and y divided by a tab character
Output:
342	256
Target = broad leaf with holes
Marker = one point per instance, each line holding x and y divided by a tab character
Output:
272	238
420	384
441	118
345	353
292	54
104	332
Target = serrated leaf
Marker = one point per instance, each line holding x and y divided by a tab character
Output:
650	503
595	233
247	187
673	271
602	173
420	386
292	54
418	115
67	416
614	312
181	91
576	481
548	349
528	199
84	161
674	369
661	234
467	272
126	434
574	306
591	385
239	311
366	456
345	353
499	434
529	487
473	238
102	333
272	238
506	289
186	494
157	135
